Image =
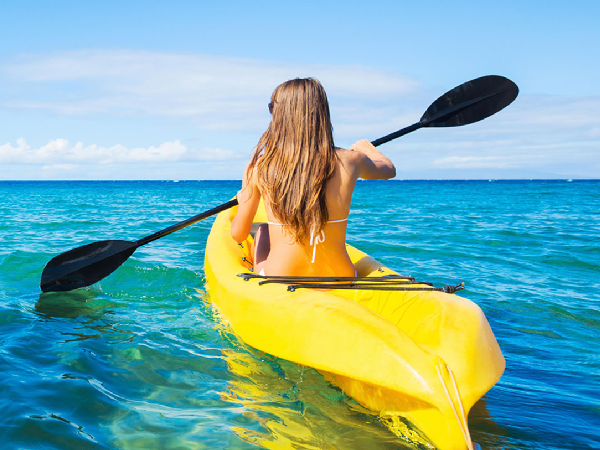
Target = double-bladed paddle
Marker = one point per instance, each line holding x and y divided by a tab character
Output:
468	103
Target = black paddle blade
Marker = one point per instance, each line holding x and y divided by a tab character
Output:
85	265
471	102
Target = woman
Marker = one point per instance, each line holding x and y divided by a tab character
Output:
306	183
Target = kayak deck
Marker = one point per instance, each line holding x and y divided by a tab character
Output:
424	356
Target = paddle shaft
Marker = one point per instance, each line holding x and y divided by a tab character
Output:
234	202
397	134
187	222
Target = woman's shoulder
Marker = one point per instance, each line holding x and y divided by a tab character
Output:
350	159
347	156
342	152
251	174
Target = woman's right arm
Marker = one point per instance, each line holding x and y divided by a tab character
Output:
248	199
371	163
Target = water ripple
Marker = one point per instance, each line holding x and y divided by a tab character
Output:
142	360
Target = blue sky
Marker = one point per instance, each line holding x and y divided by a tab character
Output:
151	90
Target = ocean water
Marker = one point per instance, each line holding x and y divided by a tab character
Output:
141	360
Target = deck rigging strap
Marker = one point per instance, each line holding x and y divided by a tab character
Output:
292	279
373	287
386	283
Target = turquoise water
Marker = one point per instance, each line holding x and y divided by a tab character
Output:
141	360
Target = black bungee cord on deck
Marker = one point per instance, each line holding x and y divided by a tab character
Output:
386	283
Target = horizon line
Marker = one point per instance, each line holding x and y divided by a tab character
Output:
359	180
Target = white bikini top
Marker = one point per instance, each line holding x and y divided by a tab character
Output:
314	240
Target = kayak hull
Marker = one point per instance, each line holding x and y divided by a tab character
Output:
419	357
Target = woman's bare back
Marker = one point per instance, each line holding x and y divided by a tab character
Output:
286	257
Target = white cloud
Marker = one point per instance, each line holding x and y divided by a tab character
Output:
156	73
219	92
477	162
59	154
60	167
550	134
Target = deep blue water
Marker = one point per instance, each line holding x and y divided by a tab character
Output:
140	360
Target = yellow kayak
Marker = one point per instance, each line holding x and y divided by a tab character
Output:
420	358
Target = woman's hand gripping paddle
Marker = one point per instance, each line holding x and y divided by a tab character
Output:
468	103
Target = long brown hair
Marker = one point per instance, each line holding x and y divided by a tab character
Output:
296	157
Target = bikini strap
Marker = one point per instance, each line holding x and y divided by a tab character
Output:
329	221
317	240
